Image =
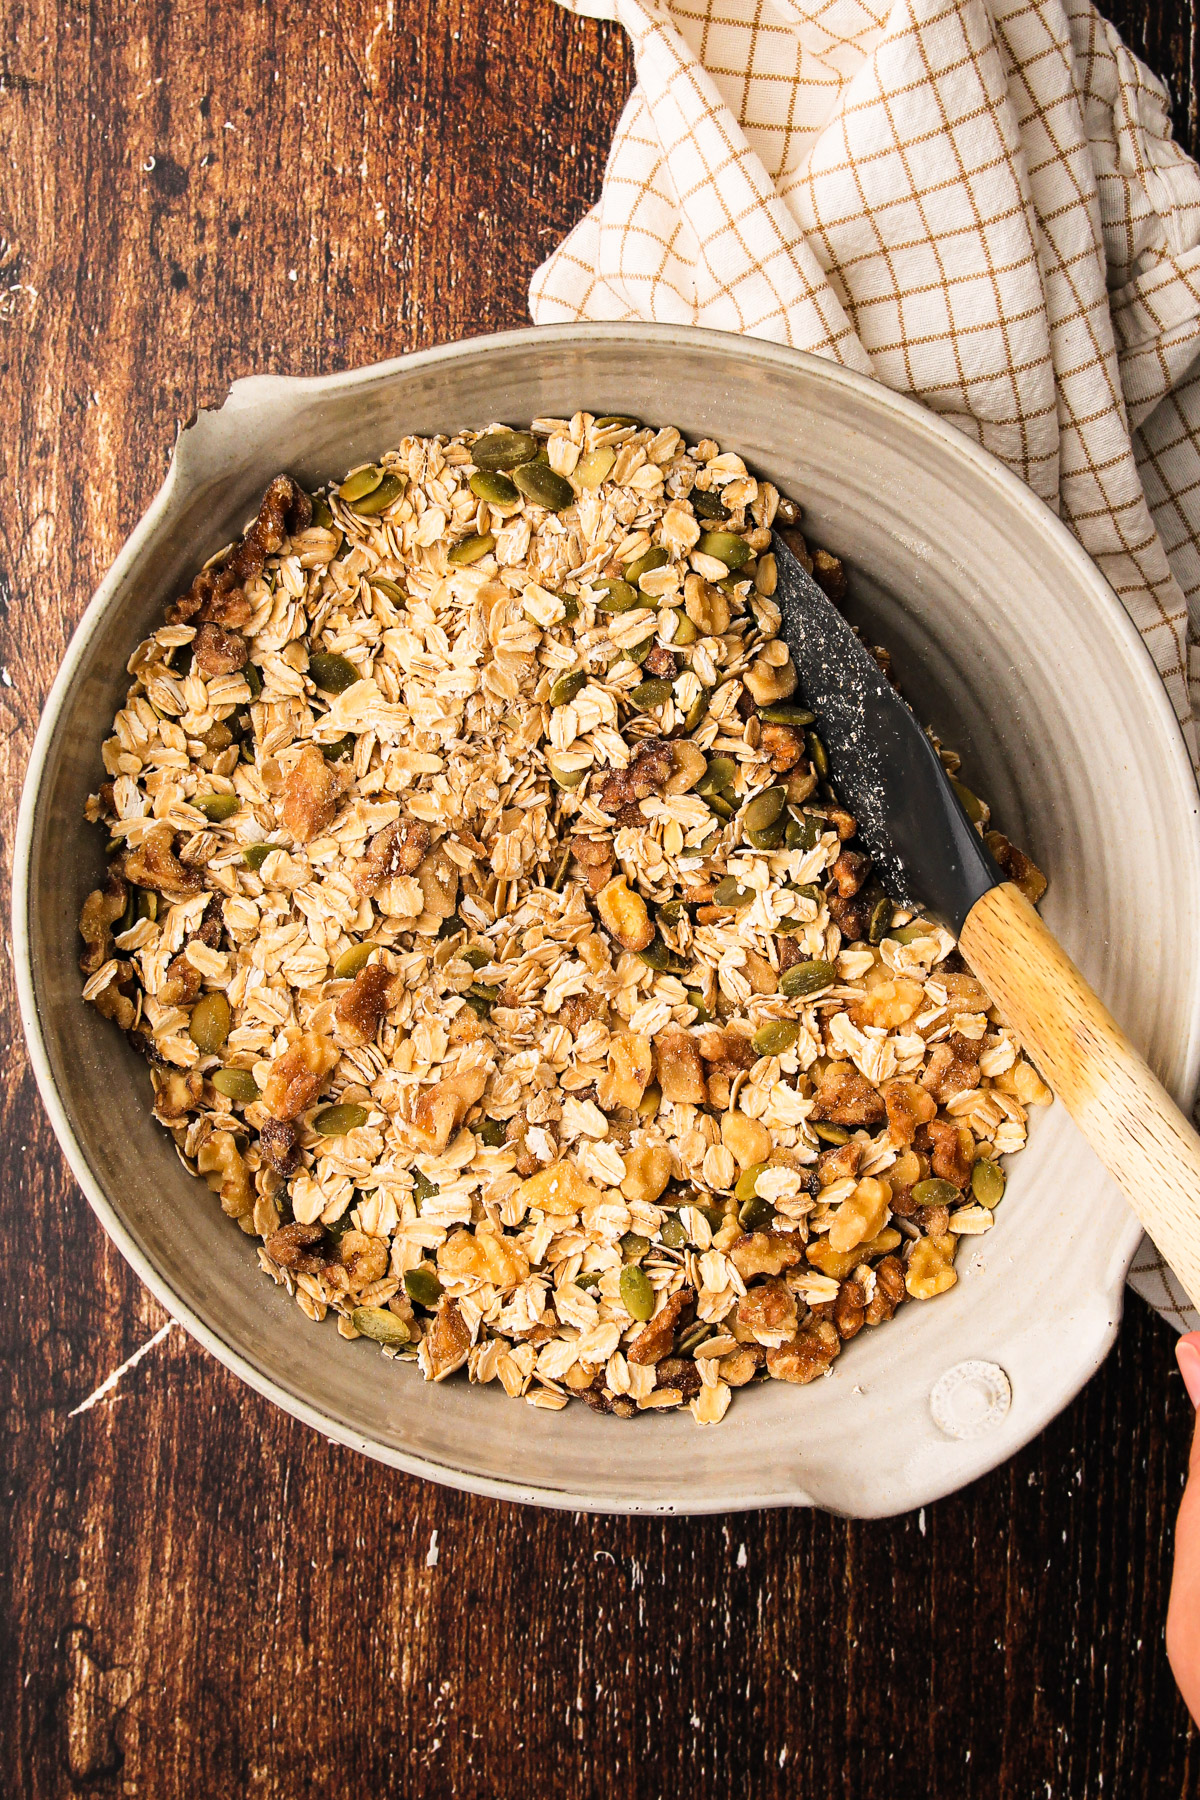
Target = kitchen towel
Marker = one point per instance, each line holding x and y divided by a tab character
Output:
979	205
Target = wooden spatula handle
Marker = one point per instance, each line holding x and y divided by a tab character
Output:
1123	1110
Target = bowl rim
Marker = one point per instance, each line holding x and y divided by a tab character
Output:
260	387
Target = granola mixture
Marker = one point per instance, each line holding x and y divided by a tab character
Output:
504	962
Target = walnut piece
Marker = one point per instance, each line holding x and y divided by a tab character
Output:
930	1268
177	1092
101	910
399	849
365	1259
485	1255
216	651
557	1190
441	1109
861	1215
298	1076
365	1002
217	592
747	1141
647	774
1019	868
680	1071
221	1163
953	1151
657	1339
624	914
279	1146
953	1068
807	1355
782	745
765	1253
845	1097
767	1313
629	1072
907	1107
311	793
445	1346
154	864
647	1172
889	1291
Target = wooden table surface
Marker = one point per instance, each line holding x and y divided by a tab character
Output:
205	1597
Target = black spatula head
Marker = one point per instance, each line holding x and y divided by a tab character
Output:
881	763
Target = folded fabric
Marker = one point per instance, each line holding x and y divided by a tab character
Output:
979	205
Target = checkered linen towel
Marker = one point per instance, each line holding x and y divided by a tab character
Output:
978	204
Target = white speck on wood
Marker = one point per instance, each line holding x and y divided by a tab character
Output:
111	1381
431	1555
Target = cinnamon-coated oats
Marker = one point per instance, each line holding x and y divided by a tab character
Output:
460	845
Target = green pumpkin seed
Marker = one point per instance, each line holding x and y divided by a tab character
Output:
391	590
352	960
641	651
496	489
650	1101
336	1121
637	1295
146	905
672	1234
764	809
382	1326
908	934
693	1338
881	918
610	421
503	449
806	978
209	1024
476	956
733	551
592	470
331	673
423	1188
817	754
785	715
658	956
567	779
389	489
756	1214
936	1193
340	747
972	805
360	484
728	893
541	484
252	676
567	686
634	1246
588	1279
422	1285
747	1186
217	806
650	694
715	1216
696	1000
987	1182
771	838
775	1038
685	631
321	515
696	710
570	608
617	596
828	1132
471	550
707	505
717	803
255	855
490	1132
236	1084
658	558
718	778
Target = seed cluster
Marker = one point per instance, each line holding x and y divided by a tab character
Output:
503	959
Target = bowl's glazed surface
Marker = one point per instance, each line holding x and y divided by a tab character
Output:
1005	639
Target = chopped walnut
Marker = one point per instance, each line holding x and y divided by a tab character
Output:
220	1161
678	1372
852	917
765	1253
578	1009
292	1248
907	1107
624	914
115	1000
849	1310
888	1004
839	1163
741	1365
181	984
365	1259
747	1141
101	910
861	1215
930	1268
849	873
680	1071
442	1108
953	1151
311	793
647	774
845	1097
808	1355
953	1068
216	651
657	1339
154	864
630	1071
766	1313
1019	868
177	1092
647	1172
889	1291
298	1076
279	1146
661	663
829	573
399	849
516	1132
365	1003
782	745
438	876
216	593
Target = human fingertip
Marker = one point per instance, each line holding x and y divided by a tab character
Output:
1187	1355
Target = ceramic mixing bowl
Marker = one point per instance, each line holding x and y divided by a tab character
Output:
1006	640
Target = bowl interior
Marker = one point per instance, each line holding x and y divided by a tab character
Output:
1006	641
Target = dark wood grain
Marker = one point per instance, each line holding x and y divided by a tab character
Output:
198	1596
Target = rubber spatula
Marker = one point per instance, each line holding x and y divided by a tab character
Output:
930	857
